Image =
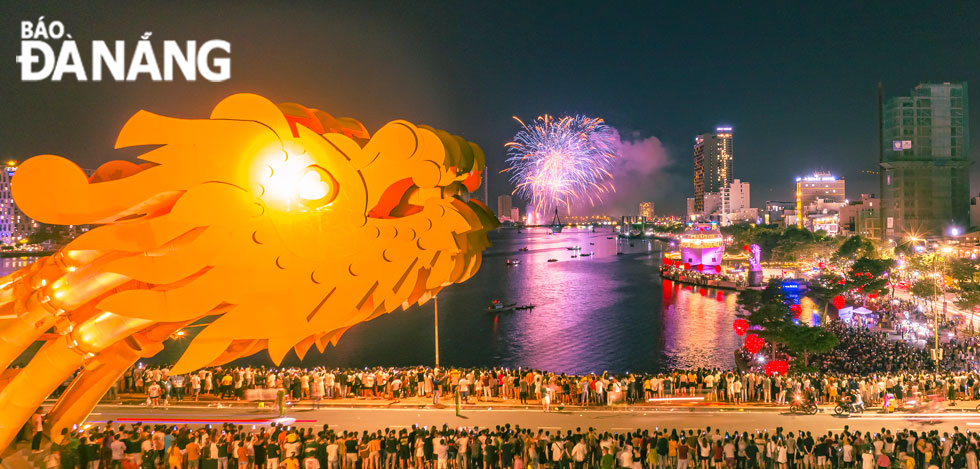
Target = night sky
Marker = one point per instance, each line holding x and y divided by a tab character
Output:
797	81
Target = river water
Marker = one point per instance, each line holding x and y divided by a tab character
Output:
603	312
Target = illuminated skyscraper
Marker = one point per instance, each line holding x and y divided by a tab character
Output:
713	158
819	186
925	163
14	225
815	193
503	207
646	210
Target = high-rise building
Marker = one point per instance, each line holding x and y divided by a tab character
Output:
925	180
515	214
776	210
861	217
820	185
730	204
819	198
974	211
504	206
713	158
646	210
14	225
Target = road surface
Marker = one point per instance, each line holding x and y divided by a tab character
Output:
615	420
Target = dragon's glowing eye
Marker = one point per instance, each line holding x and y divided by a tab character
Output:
317	187
312	188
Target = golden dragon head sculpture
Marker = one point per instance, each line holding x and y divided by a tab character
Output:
271	226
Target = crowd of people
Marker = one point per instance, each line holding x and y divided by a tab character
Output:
870	361
880	354
535	387
504	447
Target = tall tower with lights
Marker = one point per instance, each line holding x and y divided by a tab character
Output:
713	163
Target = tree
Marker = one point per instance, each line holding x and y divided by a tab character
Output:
969	297
750	300
766	311
925	288
804	340
41	236
824	288
853	248
869	276
769	313
962	271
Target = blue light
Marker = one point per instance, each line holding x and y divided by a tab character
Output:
790	285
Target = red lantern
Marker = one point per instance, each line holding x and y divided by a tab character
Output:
838	302
740	326
840	282
779	367
687	266
700	267
718	269
745	247
821	265
668	261
754	343
873	296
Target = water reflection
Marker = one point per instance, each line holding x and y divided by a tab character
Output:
605	311
10	264
698	326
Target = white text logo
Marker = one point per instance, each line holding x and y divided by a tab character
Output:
42	58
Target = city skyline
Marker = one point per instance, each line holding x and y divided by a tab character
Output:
781	78
478	226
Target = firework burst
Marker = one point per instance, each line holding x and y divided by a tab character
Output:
556	163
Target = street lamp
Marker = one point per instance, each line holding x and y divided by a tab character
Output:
436	321
937	356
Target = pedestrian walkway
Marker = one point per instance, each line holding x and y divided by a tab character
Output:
677	402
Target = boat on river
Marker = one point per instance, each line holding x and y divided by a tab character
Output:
498	306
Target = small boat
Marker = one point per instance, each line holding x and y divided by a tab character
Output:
513	261
499	307
574	248
585	254
609	237
574	256
523	249
552	260
525	307
620	253
591	244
